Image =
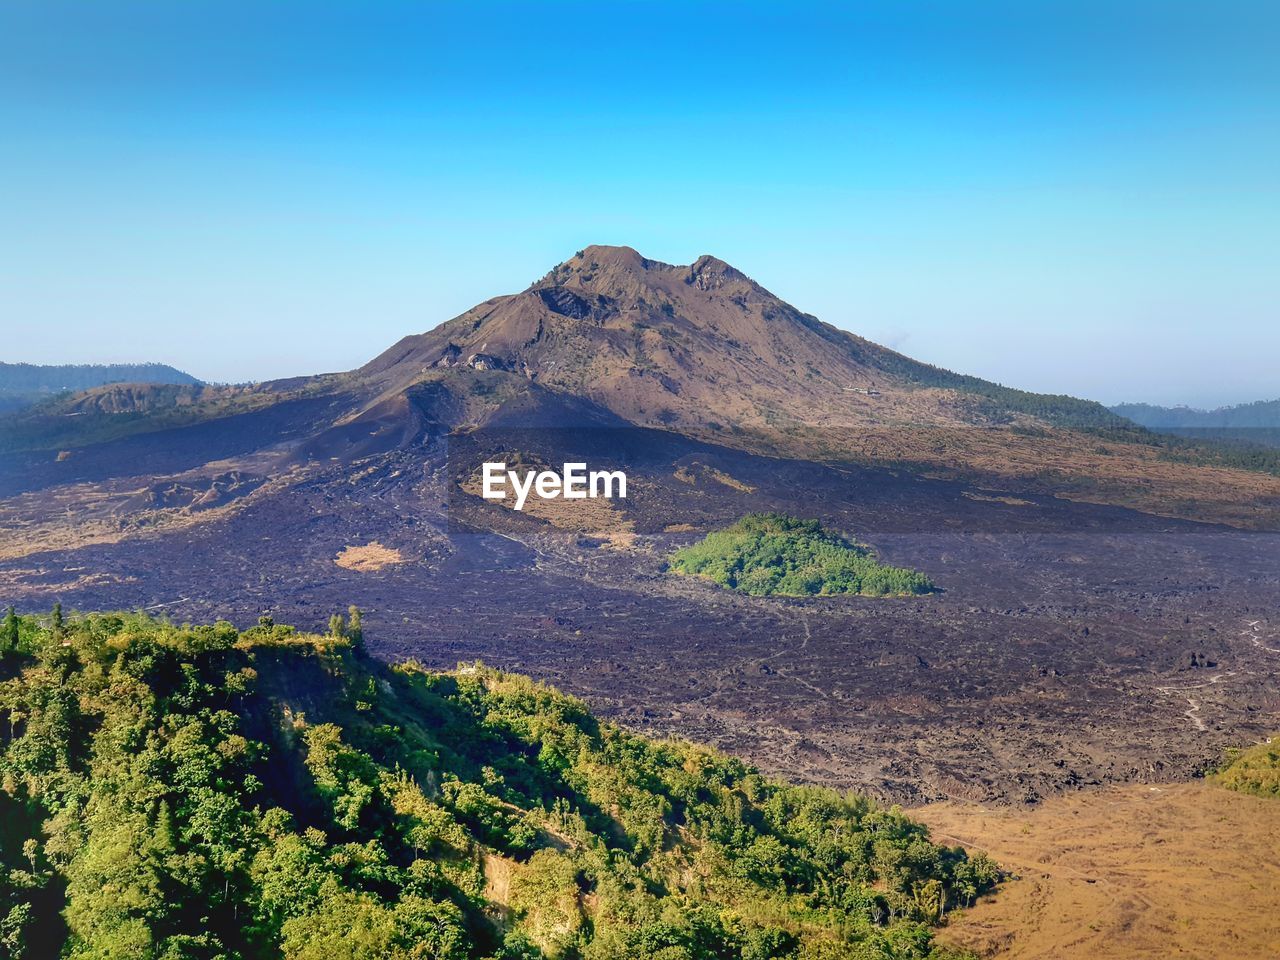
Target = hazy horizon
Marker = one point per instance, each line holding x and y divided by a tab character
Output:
122	355
1070	199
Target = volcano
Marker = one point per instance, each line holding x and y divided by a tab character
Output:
1074	551
699	347
611	337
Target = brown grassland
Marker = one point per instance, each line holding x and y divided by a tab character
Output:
1123	872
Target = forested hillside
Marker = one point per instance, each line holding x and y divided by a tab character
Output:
1255	423
203	792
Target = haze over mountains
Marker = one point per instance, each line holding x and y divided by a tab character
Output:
22	384
1257	422
700	350
684	347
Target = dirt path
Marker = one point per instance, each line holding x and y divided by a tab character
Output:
808	635
1121	873
1252	633
1194	713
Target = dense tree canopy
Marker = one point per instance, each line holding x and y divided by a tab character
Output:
185	792
768	554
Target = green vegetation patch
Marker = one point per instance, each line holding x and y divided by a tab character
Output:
770	554
201	792
1254	770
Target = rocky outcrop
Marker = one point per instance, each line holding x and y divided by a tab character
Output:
711	273
449	356
487	361
565	302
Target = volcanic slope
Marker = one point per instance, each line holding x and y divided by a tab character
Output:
702	350
1070	642
699	346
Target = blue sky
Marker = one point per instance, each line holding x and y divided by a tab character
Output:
1078	197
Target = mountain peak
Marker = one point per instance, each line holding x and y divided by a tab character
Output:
711	273
610	269
607	253
649	340
601	261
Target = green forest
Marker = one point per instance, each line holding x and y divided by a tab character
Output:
771	554
1254	770
183	792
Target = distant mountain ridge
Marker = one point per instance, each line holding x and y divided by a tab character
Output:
1260	413
22	384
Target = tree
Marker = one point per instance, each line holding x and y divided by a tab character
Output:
12	931
354	629
546	893
9	631
343	775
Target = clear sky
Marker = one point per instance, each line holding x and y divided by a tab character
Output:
1065	196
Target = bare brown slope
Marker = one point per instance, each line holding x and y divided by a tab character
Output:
701	350
704	350
1184	870
676	346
